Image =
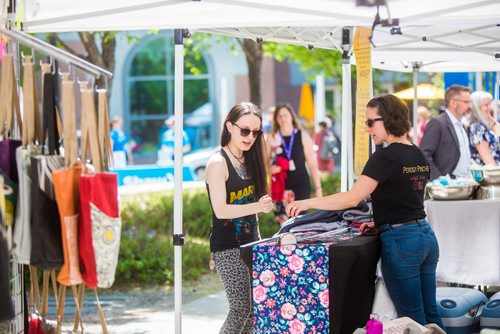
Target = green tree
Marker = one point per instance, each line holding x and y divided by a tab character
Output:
99	50
311	61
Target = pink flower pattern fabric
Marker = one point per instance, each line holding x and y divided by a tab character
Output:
290	288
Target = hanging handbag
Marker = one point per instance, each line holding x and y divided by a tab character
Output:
31	136
9	102
46	241
67	190
6	306
100	224
10	199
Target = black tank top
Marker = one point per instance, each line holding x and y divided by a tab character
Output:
232	233
298	179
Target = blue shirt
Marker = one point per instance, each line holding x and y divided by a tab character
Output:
168	139
119	139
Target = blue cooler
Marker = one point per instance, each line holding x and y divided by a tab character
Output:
490	317
460	309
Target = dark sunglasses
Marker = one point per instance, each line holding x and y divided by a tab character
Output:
246	132
369	122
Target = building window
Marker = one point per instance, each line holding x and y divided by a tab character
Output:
149	84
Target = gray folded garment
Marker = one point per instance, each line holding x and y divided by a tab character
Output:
357	215
319	226
359	219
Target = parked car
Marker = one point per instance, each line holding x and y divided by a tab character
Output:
198	161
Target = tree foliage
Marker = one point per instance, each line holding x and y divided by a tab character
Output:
99	50
311	62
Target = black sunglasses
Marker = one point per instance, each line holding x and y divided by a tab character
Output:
246	132
369	122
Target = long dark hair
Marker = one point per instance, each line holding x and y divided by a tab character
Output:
256	155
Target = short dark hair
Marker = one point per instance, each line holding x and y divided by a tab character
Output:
453	91
394	112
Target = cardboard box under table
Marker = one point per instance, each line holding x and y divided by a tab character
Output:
313	288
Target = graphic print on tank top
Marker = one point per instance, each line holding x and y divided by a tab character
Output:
243	225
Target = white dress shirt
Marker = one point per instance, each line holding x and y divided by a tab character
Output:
462	168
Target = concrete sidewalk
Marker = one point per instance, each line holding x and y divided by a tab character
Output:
204	315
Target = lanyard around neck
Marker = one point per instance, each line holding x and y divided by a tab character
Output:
288	149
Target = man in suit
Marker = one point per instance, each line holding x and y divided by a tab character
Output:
445	142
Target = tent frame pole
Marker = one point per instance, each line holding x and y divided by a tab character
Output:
346	167
178	237
416	69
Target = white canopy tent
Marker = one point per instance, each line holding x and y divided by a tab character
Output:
443	35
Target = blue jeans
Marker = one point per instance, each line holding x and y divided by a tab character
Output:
410	255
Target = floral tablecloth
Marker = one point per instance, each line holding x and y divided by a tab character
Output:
290	288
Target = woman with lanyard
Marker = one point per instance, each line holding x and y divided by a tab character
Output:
236	179
395	177
291	149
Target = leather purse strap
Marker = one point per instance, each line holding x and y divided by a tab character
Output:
104	133
90	137
9	100
69	121
31	119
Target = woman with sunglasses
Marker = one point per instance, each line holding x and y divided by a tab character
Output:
395	176
236	180
291	149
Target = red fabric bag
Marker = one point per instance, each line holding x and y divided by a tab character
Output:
35	325
99	224
101	191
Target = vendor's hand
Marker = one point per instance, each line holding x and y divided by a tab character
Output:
295	208
266	203
366	226
275	169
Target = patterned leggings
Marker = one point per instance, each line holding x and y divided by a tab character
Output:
236	279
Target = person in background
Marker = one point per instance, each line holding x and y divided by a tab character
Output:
423	118
237	186
395	176
484	131
122	152
267	120
290	149
445	142
326	145
167	140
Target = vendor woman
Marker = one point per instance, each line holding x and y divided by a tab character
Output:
395	177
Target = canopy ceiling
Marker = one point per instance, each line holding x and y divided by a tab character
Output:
444	35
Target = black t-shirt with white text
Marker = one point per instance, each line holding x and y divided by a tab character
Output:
402	172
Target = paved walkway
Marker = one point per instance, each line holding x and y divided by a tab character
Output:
205	315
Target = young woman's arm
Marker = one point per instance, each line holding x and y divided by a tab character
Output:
339	201
216	176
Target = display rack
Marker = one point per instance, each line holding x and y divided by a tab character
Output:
16	325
